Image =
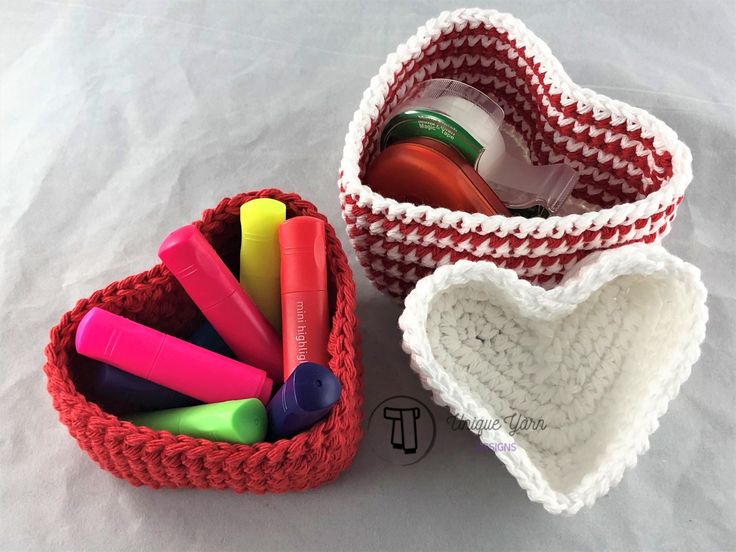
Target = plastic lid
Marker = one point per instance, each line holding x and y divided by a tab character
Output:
303	255
197	266
238	421
259	218
315	387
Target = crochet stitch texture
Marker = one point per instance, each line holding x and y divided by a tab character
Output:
632	166
159	459
597	360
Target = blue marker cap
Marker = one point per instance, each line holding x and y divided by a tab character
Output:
305	398
206	337
127	392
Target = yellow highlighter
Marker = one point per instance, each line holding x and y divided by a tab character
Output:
260	257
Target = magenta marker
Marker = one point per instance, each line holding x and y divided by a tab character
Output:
217	293
168	361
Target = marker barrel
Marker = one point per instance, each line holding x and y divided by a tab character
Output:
242	421
111	385
260	260
168	361
304	302
214	289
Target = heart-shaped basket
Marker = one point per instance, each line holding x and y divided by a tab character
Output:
632	167
567	385
160	459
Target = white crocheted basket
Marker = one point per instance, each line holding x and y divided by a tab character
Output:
632	167
597	360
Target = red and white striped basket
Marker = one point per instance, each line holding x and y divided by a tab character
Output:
632	166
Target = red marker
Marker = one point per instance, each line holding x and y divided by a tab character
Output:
305	322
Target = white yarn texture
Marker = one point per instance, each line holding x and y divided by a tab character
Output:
398	243
597	358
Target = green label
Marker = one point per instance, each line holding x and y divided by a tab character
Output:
431	124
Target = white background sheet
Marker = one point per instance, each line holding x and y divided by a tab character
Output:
122	120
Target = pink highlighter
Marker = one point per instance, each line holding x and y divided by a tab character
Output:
217	293
168	361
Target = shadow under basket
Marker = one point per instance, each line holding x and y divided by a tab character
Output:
632	168
159	459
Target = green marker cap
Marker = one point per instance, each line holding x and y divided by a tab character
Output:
243	421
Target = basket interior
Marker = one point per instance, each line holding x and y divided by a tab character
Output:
591	376
161	303
615	161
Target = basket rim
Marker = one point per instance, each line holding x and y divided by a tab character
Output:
373	100
63	391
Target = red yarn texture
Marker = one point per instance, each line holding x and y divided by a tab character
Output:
395	255
158	458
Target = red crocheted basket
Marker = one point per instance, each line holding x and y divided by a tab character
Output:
158	458
633	170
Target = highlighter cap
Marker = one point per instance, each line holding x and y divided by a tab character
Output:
195	263
260	217
315	387
303	257
100	336
305	398
239	421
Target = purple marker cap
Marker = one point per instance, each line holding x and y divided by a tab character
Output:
305	398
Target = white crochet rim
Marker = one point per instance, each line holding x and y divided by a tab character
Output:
588	276
374	99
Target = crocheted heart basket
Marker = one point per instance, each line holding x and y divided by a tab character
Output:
632	168
159	459
574	378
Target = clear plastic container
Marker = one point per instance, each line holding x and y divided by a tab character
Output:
461	116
